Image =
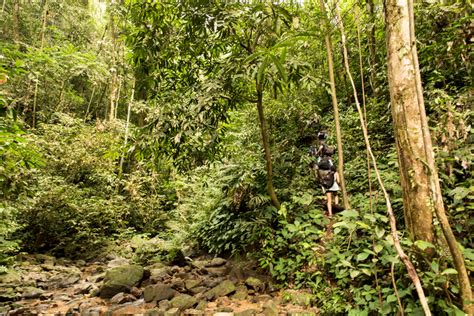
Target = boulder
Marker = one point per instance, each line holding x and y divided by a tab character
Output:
191	283
202	305
241	293
199	289
164	305
31	293
83	288
270	308
154	312
172	312
117	262
246	312
226	287
158	292
183	301
120	279
122	298
190	312
256	284
216	262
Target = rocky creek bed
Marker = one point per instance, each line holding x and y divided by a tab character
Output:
44	285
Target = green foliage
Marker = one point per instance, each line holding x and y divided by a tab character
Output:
72	205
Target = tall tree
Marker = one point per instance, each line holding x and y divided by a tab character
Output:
419	177
332	82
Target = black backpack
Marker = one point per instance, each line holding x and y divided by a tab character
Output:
327	178
325	163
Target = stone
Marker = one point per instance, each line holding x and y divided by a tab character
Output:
225	288
68	281
202	305
120	279
263	298
177	284
193	312
31	293
301	313
199	289
122	298
125	310
10	277
159	274
157	292
154	312
209	282
225	309
136	291
246	312
270	308
183	301
117	262
223	314
164	305
218	271
255	284
172	312
216	262
192	283
83	288
241	293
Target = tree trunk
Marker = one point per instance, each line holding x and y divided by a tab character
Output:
372	45
393	227
15	20
266	147
437	197
335	106
407	121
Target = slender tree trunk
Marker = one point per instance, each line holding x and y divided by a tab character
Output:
89	104
372	45
266	147
43	30
435	188
335	106
113	83
122	157
15	20
393	227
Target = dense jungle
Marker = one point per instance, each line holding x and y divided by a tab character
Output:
206	157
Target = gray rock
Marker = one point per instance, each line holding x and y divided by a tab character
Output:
83	288
202	305
225	288
218	271
164	305
122	298
157	292
120	279
216	262
241	293
270	308
177	284
154	312
183	301
192	283
68	281
247	312
189	312
255	284
117	262
199	289
31	293
172	312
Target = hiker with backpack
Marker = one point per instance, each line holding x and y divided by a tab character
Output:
325	170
